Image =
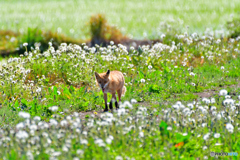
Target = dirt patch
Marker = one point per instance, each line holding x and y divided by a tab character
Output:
206	94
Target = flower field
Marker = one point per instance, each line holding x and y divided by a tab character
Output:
51	107
180	61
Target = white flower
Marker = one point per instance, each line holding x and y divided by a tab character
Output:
149	67
99	142
219	116
37	118
24	115
192	74
20	125
222	67
53	122
133	101
142	81
223	92
84	141
213	100
80	152
228	102
58	92
33	127
229	127
204	125
109	139
63	123
25	44
121	111
22	135
204	147
141	134
50	44
111	43
216	135
206	136
53	108
127	104
55	154
38	90
185	134
218	144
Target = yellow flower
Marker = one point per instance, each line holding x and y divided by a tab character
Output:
95	112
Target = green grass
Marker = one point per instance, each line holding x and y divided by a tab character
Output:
169	118
135	18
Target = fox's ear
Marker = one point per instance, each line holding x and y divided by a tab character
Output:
108	72
97	75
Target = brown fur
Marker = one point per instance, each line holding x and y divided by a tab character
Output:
111	82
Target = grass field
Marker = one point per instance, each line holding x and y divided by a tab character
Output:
165	113
138	19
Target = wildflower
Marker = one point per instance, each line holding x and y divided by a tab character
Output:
223	92
84	141
222	67
99	142
25	44
179	144
133	101
169	128
121	111
63	123
149	67
111	43
218	144
53	108
56	154
22	135
205	147
53	122
213	100
141	134
38	90
20	125
118	158
229	127
216	135
228	102
24	115
36	118
192	74
142	81
109	139
206	136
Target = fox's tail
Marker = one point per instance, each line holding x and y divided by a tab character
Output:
124	89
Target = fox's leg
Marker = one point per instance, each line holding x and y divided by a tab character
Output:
119	95
115	99
105	99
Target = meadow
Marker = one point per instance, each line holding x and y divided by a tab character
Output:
183	93
138	19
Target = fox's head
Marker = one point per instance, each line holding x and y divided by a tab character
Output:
103	79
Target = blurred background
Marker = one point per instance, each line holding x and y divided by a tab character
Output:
137	19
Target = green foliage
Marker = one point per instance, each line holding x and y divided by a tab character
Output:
234	27
101	32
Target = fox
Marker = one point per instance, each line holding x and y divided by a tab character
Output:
111	82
